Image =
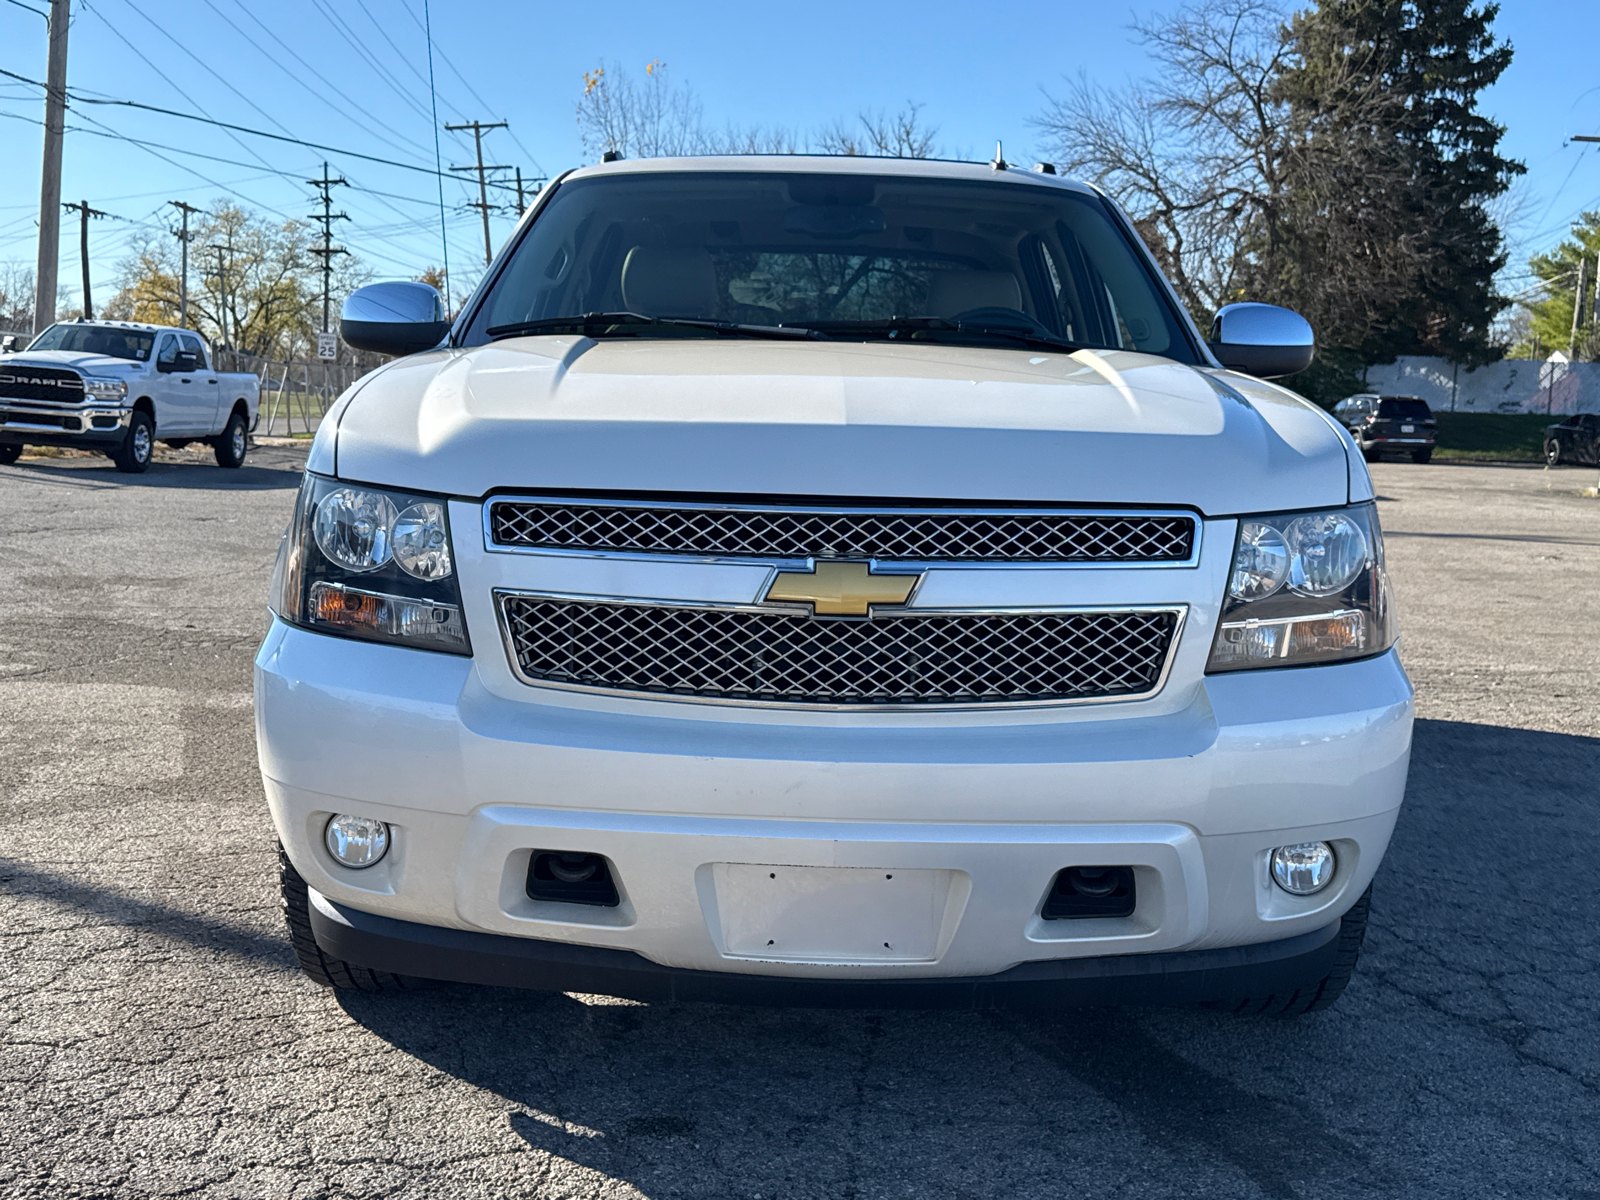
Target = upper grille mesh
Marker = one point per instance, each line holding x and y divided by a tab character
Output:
1018	536
931	658
49	384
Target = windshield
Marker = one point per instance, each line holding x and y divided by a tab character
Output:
96	339
846	256
1403	408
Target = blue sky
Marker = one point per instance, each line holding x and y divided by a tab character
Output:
980	71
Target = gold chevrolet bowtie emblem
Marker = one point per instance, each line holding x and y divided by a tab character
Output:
841	589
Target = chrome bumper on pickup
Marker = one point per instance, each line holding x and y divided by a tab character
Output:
91	422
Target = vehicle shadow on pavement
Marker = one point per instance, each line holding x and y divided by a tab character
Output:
1474	1003
187	476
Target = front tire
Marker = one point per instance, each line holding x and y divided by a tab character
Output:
328	971
138	444
1352	931
232	446
10	452
1552	453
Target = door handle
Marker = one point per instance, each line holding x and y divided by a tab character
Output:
188	380
211	381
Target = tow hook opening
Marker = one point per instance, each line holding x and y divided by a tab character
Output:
1080	892
568	877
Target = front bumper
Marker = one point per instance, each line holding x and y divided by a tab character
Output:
1222	975
36	425
1193	793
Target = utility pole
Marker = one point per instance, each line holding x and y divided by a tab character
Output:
482	205
1577	307
55	118
183	278
327	250
222	287
85	212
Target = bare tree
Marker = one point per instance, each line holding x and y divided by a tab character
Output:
900	135
655	116
16	297
1195	155
267	296
1277	157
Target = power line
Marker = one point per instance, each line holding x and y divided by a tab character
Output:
113	102
38	12
123	39
467	83
433	95
344	110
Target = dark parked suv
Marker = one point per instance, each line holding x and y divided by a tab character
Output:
1393	423
1574	439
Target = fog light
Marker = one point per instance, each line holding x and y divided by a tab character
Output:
356	841
1303	869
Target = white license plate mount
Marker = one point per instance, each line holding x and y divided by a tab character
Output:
831	914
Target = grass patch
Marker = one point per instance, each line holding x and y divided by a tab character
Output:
1515	436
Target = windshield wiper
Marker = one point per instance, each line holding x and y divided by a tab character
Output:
998	327
625	324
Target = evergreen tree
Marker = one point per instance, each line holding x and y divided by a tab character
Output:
1552	316
1416	179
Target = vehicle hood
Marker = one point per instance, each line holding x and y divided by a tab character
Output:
832	419
89	364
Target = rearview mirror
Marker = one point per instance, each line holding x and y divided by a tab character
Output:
393	318
1262	340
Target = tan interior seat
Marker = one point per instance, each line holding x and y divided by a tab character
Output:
669	281
952	292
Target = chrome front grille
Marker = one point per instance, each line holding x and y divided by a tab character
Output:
903	535
783	657
49	385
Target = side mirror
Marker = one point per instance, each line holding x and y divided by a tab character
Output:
10	344
185	362
393	318
1262	340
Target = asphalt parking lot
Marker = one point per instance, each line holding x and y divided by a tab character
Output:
157	1040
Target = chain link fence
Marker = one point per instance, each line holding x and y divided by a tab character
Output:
296	393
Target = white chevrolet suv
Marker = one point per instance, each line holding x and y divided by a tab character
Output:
832	582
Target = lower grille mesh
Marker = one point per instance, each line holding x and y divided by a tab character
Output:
910	658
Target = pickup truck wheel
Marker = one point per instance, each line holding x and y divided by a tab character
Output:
1352	930
231	446
133	456
329	972
9	453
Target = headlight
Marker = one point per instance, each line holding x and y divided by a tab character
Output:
370	563
105	389
1305	588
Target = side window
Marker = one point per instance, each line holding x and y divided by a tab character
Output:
1341	408
167	354
192	344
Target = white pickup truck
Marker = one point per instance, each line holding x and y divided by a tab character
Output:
117	386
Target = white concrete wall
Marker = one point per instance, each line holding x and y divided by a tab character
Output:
1512	385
